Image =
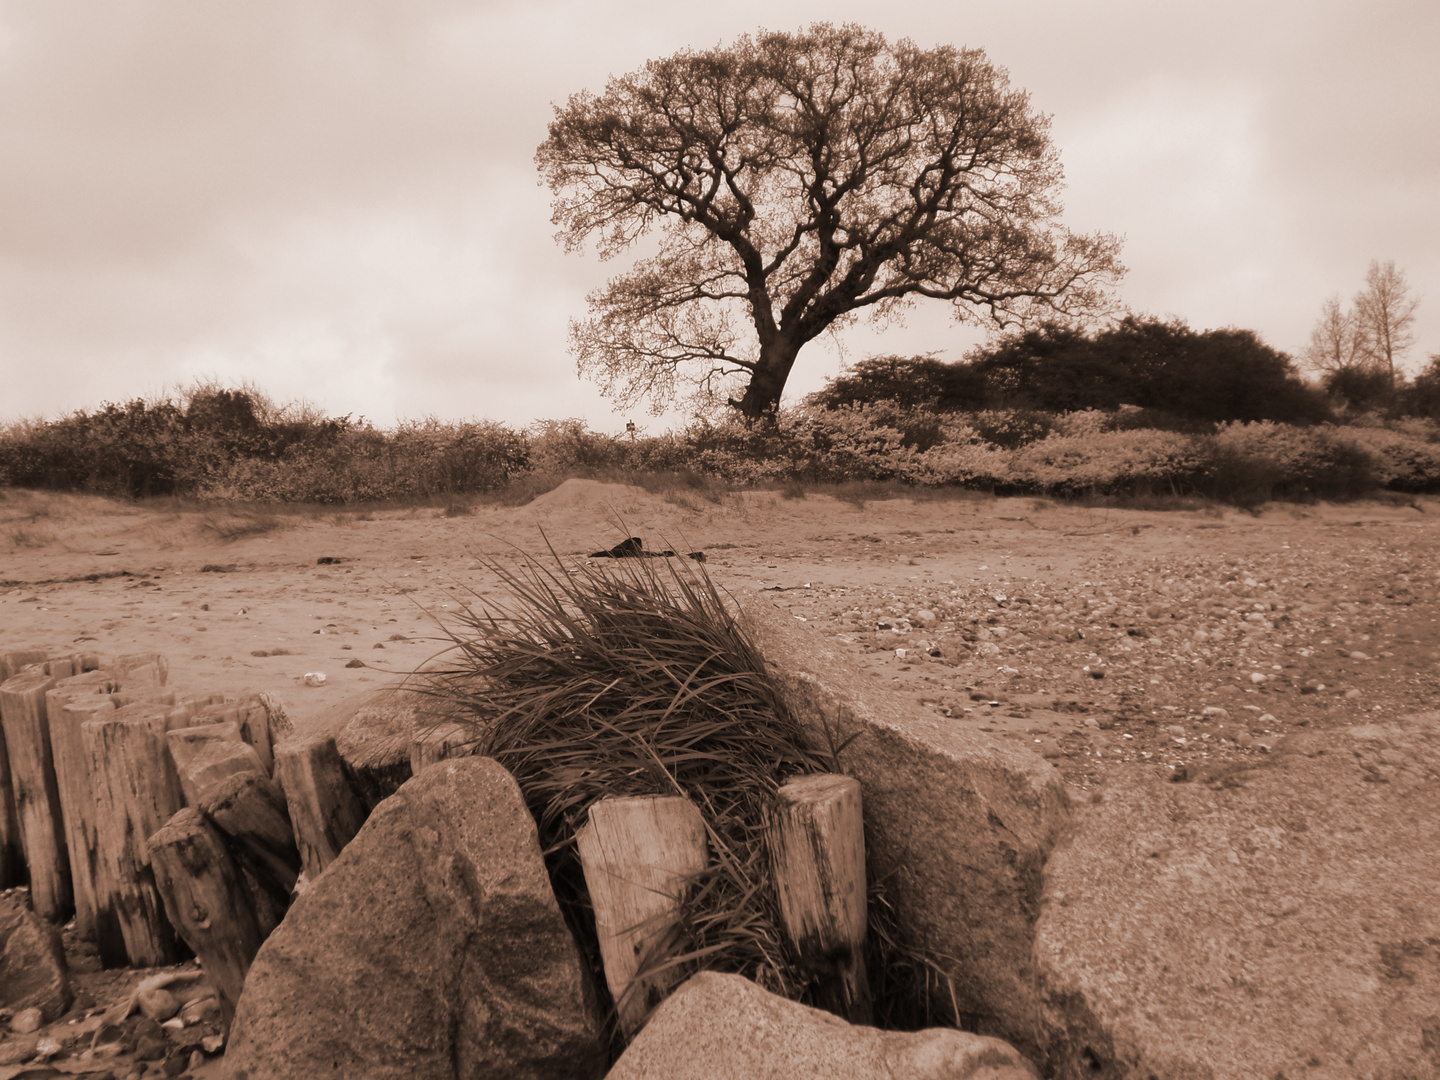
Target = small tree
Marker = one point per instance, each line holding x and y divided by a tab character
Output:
801	180
1338	342
1385	311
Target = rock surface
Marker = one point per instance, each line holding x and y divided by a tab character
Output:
724	1027
957	823
32	961
432	947
1277	921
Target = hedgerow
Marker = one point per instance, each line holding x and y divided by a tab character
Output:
223	445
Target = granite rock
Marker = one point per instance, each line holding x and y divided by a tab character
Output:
432	948
33	972
724	1027
1277	921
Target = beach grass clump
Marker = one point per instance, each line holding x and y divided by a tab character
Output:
635	679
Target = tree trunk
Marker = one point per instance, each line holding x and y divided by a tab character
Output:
767	381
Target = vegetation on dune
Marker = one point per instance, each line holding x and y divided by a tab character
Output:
1043	414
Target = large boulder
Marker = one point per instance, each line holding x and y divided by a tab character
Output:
33	972
1281	921
724	1027
958	824
433	947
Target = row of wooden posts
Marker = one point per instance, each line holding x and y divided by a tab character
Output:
156	818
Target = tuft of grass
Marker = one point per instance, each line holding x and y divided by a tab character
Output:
634	679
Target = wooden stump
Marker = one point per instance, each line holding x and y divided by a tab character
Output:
12	851
206	898
136	792
249	810
144	667
206	754
639	856
817	850
68	707
12	663
253	720
325	809
37	798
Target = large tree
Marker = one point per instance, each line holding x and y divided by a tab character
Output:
799	181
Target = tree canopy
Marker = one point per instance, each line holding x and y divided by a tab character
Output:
800	180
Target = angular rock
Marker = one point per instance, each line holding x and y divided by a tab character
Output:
33	972
1279	921
432	947
958	825
724	1027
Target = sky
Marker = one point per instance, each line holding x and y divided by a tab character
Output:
336	200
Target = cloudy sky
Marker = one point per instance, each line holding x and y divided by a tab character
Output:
336	199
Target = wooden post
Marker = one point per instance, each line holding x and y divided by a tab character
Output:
325	809
12	663
207	901
437	744
12	852
37	799
249	809
817	851
68	706
639	856
144	667
253	721
207	754
136	792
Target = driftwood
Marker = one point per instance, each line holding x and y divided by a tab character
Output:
817	847
639	856
36	795
207	902
136	792
325	809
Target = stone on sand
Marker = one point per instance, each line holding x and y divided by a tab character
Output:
1279	923
33	972
724	1027
433	947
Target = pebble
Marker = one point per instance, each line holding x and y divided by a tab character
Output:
1352	694
26	1021
925	615
1214	712
1244	739
159	1004
1257	677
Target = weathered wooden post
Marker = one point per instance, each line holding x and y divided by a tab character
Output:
639	856
37	798
207	902
249	811
206	754
136	792
12	851
69	706
817	851
325	809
